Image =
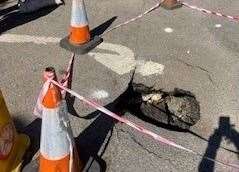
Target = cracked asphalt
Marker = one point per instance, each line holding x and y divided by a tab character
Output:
199	54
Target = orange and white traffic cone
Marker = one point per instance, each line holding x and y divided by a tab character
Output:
12	145
171	4
79	41
57	148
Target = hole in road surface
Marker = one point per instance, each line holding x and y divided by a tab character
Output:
177	110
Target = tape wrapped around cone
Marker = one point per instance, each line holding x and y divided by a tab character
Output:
28	6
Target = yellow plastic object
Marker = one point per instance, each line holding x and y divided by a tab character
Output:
12	145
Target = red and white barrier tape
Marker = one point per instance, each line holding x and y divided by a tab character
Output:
135	126
135	18
65	76
233	18
64	83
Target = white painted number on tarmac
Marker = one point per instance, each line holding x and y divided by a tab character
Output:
121	61
118	58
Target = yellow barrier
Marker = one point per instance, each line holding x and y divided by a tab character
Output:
12	144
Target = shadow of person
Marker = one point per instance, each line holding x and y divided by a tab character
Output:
225	130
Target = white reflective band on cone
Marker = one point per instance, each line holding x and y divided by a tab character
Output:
55	143
78	14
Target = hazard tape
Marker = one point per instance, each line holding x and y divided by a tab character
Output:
62	85
233	18
156	6
64	82
136	126
66	75
135	18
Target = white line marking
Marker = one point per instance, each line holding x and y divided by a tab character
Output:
122	60
168	30
149	68
100	94
58	1
14	38
218	25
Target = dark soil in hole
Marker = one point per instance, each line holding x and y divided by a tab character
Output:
177	110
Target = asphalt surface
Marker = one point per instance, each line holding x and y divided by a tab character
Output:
199	53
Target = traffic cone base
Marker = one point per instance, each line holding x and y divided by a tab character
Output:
79	40
80	48
171	4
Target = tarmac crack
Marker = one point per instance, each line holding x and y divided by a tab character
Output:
199	68
143	147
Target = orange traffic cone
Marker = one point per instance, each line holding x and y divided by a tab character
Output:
79	41
171	4
57	148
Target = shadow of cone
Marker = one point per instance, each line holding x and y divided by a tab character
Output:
12	145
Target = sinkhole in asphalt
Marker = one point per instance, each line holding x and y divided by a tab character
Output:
177	109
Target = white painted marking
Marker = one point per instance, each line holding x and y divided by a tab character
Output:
58	1
100	94
122	62
188	52
149	68
14	38
168	30
218	25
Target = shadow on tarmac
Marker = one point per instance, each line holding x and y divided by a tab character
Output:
89	143
11	17
92	142
33	130
225	130
70	100
97	31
